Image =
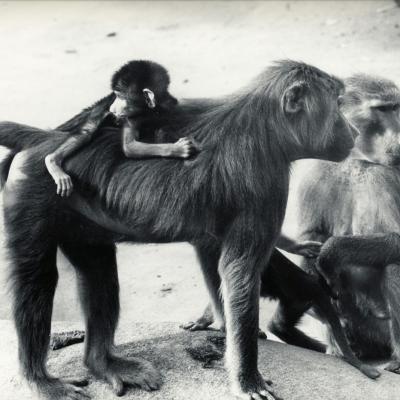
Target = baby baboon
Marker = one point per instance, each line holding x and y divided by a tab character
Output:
140	97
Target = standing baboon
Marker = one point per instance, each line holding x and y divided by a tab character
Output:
229	202
297	292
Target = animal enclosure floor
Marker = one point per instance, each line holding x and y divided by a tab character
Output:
297	374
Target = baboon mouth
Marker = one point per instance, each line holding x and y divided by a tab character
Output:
119	119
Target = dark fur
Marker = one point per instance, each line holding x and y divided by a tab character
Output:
229	202
297	292
355	269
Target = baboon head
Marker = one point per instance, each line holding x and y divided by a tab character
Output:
140	86
372	104
306	110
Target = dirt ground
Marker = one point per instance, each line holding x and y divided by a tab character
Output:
57	57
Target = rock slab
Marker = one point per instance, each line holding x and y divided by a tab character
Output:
297	374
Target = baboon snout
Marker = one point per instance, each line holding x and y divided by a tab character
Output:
118	107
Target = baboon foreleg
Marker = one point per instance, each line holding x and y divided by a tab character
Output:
240	270
99	290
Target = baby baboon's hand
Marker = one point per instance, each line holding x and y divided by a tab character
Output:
64	185
184	148
62	180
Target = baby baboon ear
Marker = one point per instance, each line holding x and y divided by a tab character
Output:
293	97
149	98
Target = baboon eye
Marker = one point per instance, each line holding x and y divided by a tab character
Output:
387	107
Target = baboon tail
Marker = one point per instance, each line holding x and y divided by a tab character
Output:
5	165
18	137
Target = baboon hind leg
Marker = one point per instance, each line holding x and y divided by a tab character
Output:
208	257
96	267
32	254
283	325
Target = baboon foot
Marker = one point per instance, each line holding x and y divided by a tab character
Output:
254	388
121	373
370	371
262	334
199	325
393	366
55	389
60	340
203	325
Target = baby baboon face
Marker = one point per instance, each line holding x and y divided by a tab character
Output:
140	86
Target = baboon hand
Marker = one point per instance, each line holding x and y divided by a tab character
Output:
308	249
62	180
64	185
370	371
184	148
393	366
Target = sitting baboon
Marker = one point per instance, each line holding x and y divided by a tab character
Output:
358	196
297	293
355	268
217	202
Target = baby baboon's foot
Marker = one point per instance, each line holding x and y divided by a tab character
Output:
199	325
393	366
55	389
370	371
255	388
128	372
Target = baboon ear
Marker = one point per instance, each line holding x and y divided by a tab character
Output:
149	98
293	97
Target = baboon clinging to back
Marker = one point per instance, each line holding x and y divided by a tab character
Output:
229	202
139	98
